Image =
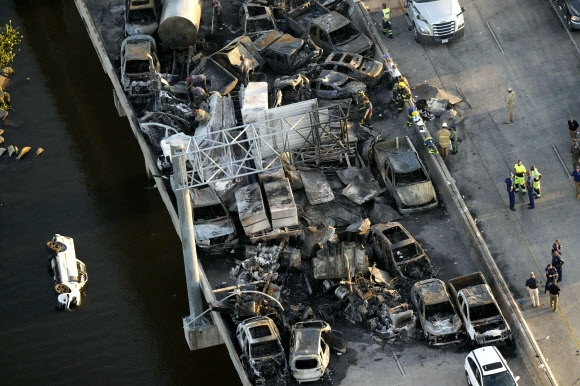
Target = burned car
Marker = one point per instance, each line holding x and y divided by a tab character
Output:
213	225
285	53
291	89
398	252
262	352
141	17
363	69
404	175
334	85
256	20
440	323
139	65
310	346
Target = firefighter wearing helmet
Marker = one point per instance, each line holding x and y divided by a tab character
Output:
401	94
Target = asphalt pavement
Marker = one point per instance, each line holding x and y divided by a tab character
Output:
530	51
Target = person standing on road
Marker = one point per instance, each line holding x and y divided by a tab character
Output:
557	262
557	246
444	140
387	27
575	179
575	153
520	172
551	275
573	128
368	114
509	183
244	68
554	294
454	136
401	94
510	101
536	177
532	287
217	9
530	188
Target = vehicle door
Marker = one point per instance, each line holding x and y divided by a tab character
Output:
474	376
335	340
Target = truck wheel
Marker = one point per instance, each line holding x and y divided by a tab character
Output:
55	246
415	33
62	288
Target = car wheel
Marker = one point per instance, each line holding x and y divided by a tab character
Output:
467	376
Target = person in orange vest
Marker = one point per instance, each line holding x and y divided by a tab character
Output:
444	140
387	27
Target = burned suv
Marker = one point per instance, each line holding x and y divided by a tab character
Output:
439	320
139	65
262	352
398	252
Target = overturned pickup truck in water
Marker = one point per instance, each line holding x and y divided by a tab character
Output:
398	252
70	274
479	310
440	323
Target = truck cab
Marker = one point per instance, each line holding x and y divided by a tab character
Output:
436	21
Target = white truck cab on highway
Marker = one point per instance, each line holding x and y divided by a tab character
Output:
436	21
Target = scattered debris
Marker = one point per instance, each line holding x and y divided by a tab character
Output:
23	152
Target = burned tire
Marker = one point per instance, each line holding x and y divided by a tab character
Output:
54	246
62	288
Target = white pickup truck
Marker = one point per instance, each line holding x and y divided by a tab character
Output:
436	21
70	274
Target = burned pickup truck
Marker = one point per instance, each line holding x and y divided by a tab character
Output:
440	323
479	310
284	53
395	250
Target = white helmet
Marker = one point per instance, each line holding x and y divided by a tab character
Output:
444	124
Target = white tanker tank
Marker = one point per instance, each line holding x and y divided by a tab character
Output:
179	23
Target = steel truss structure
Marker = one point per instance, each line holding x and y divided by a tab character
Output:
308	138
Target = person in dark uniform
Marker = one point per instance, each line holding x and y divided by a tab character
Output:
557	262
557	246
509	182
217	8
530	188
554	294
572	128
551	275
532	287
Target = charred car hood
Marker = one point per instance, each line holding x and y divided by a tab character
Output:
359	45
416	194
443	327
439	11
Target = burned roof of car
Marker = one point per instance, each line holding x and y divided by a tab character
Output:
286	43
333	77
341	57
138	49
331	21
307	341
203	197
433	291
403	161
477	295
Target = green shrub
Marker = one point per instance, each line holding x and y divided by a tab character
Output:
9	39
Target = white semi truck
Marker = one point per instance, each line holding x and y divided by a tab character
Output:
436	21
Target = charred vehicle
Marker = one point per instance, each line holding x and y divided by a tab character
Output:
310	346
256	20
141	17
404	175
139	65
70	274
440	323
291	89
398	252
213	225
262	352
363	69
479	310
334	85
284	53
328	29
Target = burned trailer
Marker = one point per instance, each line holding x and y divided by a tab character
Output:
284	53
395	250
439	320
213	225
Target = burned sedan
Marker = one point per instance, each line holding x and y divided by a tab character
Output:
398	252
139	65
404	175
262	352
439	320
334	85
363	69
310	346
256	19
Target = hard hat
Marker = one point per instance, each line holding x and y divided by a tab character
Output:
510	89
411	109
361	92
401	84
415	113
188	80
444	124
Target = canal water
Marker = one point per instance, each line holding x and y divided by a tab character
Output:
90	184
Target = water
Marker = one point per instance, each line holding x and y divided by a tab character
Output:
90	184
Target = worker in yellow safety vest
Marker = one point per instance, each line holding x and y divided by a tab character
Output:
387	27
520	172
